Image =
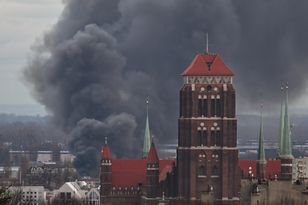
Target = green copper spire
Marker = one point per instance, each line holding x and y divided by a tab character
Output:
147	135
261	152
281	127
286	149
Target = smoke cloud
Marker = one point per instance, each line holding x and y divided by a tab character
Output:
102	58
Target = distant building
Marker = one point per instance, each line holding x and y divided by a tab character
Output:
34	195
10	176
63	156
92	197
49	174
70	191
300	170
78	191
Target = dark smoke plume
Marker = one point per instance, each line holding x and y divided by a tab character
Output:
104	57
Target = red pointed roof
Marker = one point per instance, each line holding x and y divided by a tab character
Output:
106	152
131	172
152	155
207	65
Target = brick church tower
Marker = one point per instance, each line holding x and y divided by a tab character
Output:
207	156
152	173
106	174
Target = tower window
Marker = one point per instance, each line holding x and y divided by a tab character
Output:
205	108
212	107
199	137
200	107
218	108
213	138
204	138
209	65
218	138
202	170
215	171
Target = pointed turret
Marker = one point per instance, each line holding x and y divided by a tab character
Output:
152	156
106	173
286	149
261	152
106	153
281	124
286	156
152	181
147	135
261	162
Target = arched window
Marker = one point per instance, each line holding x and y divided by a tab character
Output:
218	138
204	138
212	139
205	108
218	107
199	137
212	107
215	171
202	170
200	111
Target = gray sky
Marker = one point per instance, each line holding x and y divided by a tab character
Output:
22	22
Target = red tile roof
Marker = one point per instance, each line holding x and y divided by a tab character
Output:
152	155
207	65
106	152
272	168
131	172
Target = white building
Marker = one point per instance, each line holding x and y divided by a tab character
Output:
71	190
92	197
34	195
78	190
300	169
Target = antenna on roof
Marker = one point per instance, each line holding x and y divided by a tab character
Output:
207	42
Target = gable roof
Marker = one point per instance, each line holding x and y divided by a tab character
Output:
207	65
131	172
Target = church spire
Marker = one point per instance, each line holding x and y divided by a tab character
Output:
147	134
281	124
261	152
286	149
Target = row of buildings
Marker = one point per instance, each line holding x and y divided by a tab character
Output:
77	192
206	169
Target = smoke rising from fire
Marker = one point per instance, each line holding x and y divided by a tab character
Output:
95	67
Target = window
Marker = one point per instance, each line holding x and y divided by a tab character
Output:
204	138
68	195
218	138
200	111
199	137
202	170
218	108
215	171
213	108
205	108
213	138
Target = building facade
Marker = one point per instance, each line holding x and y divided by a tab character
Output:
207	156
